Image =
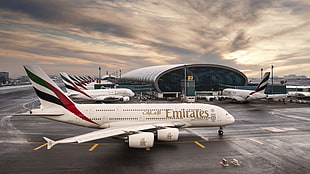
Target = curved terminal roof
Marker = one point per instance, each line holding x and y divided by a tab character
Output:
153	74
149	74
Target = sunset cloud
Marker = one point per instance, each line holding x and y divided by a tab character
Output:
247	35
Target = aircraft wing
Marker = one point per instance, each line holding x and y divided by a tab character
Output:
108	132
40	115
30	113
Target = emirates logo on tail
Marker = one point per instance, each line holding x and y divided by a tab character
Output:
262	85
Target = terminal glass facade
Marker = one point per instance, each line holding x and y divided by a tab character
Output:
206	78
167	78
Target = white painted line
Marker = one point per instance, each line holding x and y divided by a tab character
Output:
196	133
289	129
273	129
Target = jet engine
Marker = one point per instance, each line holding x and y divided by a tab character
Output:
141	140
168	134
125	99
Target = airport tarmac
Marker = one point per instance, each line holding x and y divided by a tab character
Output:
266	138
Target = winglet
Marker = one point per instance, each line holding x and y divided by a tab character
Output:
50	143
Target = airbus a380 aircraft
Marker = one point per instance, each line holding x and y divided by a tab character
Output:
241	95
138	123
105	95
86	84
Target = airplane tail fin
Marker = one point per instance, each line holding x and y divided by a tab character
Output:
263	83
78	82
48	91
70	85
67	81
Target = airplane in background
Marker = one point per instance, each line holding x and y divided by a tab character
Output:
85	84
104	95
299	92
243	96
138	124
277	97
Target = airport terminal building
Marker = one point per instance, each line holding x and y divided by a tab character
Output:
168	78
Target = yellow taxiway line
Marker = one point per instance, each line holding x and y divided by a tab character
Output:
93	147
199	144
39	147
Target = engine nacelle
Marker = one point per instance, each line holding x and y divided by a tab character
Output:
141	140
125	99
168	134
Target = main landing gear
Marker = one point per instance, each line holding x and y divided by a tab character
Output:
221	132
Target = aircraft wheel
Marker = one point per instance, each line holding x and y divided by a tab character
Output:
221	132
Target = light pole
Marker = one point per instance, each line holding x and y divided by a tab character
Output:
99	78
185	80
272	79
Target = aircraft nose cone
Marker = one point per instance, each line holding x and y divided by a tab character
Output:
231	119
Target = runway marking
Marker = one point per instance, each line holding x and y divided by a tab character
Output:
256	141
24	105
93	147
289	116
39	147
289	129
200	145
196	133
273	129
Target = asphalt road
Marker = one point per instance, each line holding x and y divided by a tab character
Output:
266	138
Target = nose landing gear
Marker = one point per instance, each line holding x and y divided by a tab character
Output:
221	132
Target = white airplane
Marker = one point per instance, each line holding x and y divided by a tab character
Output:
82	84
104	95
137	123
299	94
242	95
277	97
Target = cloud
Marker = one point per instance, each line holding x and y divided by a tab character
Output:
133	34
241	41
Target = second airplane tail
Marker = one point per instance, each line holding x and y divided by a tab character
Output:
70	85
263	83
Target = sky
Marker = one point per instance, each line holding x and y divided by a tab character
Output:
79	36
